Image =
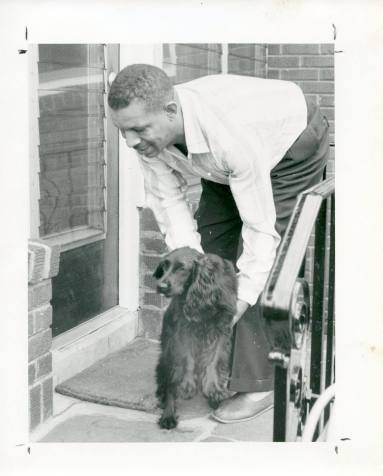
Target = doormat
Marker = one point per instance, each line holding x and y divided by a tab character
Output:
127	379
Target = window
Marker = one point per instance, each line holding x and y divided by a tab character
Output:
184	62
72	139
75	199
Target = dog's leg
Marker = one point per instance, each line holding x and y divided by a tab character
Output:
215	373
166	390
188	385
168	419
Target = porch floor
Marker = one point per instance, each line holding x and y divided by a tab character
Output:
78	421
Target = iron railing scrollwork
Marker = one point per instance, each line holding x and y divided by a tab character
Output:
300	323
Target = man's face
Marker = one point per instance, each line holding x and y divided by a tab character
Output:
148	132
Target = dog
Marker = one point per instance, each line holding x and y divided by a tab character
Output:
196	330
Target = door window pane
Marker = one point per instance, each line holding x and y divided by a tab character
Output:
79	290
72	139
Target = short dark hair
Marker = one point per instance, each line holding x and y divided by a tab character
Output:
142	81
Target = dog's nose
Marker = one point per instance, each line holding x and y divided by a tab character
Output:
163	287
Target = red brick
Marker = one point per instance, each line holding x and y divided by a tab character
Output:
31	373
47	400
154	299
283	61
147	220
326	100
39	294
44	365
317	61
273	73
318	87
149	281
39	344
42	318
34	406
328	112
30	323
242	49
150	322
299	49
36	262
299	74
153	245
273	49
326	74
327	49
149	262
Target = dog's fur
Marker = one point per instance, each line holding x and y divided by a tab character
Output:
196	330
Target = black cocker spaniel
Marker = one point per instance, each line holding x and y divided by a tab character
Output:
197	329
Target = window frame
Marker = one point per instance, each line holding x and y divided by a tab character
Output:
79	235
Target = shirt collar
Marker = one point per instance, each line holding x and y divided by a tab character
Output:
195	140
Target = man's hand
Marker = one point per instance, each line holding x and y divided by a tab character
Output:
242	307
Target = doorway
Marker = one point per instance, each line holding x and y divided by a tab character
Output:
78	179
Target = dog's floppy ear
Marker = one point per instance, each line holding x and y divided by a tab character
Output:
205	290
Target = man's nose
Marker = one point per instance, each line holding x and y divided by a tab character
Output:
131	138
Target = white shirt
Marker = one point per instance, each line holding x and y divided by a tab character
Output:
237	129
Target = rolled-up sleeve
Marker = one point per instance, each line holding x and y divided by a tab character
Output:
165	194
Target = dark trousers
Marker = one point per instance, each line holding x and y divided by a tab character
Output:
220	227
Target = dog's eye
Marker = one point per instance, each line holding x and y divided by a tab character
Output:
159	272
179	266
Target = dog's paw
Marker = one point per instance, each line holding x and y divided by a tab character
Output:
168	422
213	402
215	397
187	389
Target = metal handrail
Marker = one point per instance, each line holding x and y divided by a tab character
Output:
300	327
279	287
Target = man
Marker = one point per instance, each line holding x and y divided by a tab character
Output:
256	144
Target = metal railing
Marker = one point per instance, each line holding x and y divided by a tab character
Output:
299	317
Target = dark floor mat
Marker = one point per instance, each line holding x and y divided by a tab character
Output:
127	379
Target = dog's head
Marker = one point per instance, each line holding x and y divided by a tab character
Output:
207	282
174	273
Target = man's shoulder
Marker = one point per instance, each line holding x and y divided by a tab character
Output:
214	80
227	84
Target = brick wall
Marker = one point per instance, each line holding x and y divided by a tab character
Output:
43	264
311	66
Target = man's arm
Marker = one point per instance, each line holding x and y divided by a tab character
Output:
165	193
250	184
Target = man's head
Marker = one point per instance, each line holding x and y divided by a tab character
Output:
145	109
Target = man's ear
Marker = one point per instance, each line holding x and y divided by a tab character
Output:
171	109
